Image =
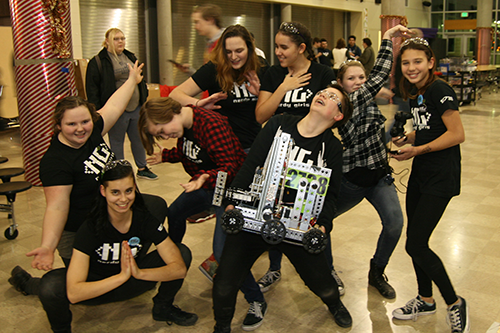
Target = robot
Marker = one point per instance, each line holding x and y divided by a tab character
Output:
267	209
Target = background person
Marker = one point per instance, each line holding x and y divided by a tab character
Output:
339	55
353	51
368	56
106	72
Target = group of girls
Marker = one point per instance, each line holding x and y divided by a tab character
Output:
207	143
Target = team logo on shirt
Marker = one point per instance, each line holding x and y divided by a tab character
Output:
421	117
297	98
109	253
446	98
302	155
241	93
95	163
191	151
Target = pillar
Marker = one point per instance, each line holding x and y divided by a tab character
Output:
286	13
484	31
44	72
165	38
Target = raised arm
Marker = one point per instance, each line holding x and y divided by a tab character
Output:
185	93
117	103
54	220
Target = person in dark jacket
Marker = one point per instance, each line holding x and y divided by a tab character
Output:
106	72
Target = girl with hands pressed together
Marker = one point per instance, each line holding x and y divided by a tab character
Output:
110	260
434	180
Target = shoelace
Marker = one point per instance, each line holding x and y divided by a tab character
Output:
413	306
256	310
455	319
269	277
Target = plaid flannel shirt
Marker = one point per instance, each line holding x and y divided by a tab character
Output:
361	135
213	133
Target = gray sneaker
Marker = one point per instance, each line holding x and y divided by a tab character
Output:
268	280
414	308
339	282
146	174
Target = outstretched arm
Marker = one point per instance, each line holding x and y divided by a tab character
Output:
54	220
117	103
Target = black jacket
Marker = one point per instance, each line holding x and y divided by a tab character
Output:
100	84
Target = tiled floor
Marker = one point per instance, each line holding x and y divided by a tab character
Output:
467	239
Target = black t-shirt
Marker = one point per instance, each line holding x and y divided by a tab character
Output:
64	165
326	58
239	107
437	172
104	251
195	152
299	100
324	150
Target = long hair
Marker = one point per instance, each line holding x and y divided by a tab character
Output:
298	35
98	218
68	103
405	87
347	108
159	110
109	36
226	75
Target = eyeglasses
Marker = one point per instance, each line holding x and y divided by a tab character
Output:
290	28
415	40
331	96
113	164
116	39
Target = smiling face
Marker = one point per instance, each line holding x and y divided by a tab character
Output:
236	51
286	50
326	102
76	127
416	67
119	194
353	78
174	129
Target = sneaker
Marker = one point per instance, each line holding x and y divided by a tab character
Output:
19	278
209	267
458	317
339	282
146	174
341	315
173	314
201	217
255	316
414	308
222	329
269	279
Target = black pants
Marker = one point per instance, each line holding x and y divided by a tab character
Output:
424	212
242	250
52	290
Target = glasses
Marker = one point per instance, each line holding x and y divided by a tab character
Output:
415	40
290	28
113	164
331	96
116	39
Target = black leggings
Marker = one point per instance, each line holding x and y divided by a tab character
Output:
243	249
52	291
424	212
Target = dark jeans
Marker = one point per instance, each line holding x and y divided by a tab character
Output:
55	302
424	212
240	252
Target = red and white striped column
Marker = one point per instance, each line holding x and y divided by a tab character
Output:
44	72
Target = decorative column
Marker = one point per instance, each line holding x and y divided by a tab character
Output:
44	72
484	31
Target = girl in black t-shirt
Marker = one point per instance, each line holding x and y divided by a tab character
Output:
434	180
110	260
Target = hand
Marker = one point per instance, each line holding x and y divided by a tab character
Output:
385	93
135	73
156	158
195	184
186	68
126	267
209	102
296	80
405	153
253	85
43	258
229	207
398	31
135	271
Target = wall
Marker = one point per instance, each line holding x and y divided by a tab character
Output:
8	100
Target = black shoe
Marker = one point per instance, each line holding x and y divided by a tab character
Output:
458	317
378	279
255	316
19	278
341	315
173	314
222	329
